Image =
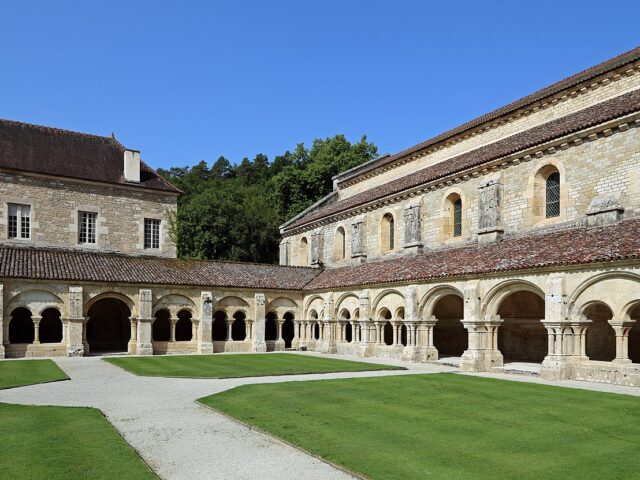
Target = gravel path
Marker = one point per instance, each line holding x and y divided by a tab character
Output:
181	439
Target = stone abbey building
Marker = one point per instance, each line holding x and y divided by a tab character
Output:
511	239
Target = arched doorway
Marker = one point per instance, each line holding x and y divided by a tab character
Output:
161	327
271	327
288	330
108	327
21	328
449	335
51	326
522	337
238	327
601	338
184	327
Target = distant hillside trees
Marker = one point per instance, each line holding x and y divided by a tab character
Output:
232	212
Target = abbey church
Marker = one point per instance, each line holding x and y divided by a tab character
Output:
510	243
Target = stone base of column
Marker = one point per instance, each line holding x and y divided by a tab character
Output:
327	346
411	354
427	354
278	346
205	348
257	346
73	351
144	349
480	360
131	347
556	367
1	351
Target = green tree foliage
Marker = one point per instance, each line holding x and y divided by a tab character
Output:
233	212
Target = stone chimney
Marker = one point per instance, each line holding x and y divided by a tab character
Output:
132	166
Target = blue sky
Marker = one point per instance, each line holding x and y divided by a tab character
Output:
187	81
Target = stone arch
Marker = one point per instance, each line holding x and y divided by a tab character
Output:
175	303
239	327
609	287
184	326
282	305
36	301
433	296
449	335
522	336
126	300
231	304
601	338
498	293
537	190
21	328
339	244
50	328
388	237
161	326
453	215
108	325
390	298
347	301
316	303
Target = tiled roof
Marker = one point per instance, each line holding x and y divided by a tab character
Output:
52	151
572	246
589	117
77	266
568	83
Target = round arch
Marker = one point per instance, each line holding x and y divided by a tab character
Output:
108	325
432	297
498	293
130	304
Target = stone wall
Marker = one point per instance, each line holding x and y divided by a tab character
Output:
594	166
55	203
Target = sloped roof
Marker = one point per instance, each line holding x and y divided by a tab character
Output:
540	95
76	266
589	117
52	151
571	246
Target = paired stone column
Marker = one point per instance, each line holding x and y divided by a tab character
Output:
229	329
144	345
36	329
204	339
622	328
259	344
483	353
248	327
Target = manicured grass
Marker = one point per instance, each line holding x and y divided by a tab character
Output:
240	365
63	443
16	373
447	426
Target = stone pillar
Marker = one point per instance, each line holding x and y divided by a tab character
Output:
144	345
2	323
133	339
622	329
411	351
489	211
396	330
204	339
328	343
76	324
483	353
358	249
194	330
247	329
560	345
36	329
412	230
279	345
430	351
172	336
259	343
229	327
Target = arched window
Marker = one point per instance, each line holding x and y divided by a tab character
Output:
453	216
387	233
552	190
184	327
303	252
339	244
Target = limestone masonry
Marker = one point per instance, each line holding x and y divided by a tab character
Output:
514	238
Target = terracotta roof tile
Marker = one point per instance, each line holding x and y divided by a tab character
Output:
572	246
77	266
597	114
52	151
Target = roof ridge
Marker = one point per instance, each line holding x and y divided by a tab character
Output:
65	131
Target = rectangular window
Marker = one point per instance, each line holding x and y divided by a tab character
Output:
457	218
87	227
151	233
19	221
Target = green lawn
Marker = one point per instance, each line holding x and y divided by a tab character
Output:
59	442
63	443
448	426
240	365
16	373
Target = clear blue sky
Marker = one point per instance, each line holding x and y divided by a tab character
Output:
185	81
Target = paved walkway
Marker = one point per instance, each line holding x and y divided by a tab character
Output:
182	440
179	438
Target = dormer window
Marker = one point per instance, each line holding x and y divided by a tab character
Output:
19	221
87	228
